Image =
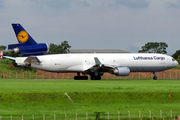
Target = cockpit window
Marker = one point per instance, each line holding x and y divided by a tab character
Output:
173	59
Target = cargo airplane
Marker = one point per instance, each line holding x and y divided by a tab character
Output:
93	64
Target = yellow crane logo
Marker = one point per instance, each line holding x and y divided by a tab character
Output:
22	36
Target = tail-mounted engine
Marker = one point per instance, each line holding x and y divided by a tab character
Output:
26	50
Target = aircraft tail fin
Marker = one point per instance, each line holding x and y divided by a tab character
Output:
22	35
27	45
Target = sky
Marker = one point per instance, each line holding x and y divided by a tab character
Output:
94	24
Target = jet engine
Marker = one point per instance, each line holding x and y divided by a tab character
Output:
26	50
121	71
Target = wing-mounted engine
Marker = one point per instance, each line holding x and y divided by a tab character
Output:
98	70
26	50
121	71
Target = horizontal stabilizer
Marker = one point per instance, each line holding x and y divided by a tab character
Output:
11	58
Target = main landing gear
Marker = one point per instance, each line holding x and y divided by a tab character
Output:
155	77
78	77
95	77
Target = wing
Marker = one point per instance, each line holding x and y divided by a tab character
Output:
98	65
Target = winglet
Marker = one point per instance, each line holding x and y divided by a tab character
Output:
97	61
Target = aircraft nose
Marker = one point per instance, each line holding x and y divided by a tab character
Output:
175	63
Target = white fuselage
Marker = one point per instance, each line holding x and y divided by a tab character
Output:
136	62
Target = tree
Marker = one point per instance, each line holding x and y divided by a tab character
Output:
176	54
154	47
178	59
65	46
62	48
2	47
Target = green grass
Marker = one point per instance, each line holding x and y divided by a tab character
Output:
34	97
7	66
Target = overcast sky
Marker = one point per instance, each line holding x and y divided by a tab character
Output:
94	24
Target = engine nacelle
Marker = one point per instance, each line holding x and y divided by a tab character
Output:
37	49
121	71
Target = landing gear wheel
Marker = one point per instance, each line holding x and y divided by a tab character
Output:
98	77
80	77
95	77
155	77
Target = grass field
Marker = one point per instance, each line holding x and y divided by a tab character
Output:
38	97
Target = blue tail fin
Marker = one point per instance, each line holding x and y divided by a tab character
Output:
27	45
22	35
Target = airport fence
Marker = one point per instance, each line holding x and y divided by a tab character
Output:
165	75
128	115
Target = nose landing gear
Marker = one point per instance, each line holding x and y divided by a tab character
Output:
155	77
